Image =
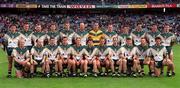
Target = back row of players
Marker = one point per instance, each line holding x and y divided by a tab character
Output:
58	49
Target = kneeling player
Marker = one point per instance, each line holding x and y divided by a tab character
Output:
21	57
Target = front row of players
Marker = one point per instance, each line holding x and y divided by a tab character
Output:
128	60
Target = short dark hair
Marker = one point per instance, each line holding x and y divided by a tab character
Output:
52	38
158	38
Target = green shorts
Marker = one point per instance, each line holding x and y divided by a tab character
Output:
158	64
18	66
39	64
9	51
169	49
129	63
142	63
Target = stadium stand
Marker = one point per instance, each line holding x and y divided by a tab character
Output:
93	1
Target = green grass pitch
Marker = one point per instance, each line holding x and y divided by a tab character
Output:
91	82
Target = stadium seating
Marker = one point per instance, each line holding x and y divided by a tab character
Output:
93	1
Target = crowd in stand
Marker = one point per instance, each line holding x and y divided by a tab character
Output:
93	1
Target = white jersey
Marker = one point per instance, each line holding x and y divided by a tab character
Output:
27	36
158	52
69	34
12	39
137	37
167	38
151	37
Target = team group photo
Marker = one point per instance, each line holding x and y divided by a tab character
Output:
89	43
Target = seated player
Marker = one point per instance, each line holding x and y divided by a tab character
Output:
37	53
64	49
89	51
159	55
118	60
122	62
21	58
52	51
77	49
129	52
143	54
103	51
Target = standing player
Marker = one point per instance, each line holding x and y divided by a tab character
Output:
96	34
11	40
125	34
53	33
21	58
138	34
110	34
67	32
38	34
26	33
82	33
152	34
168	39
